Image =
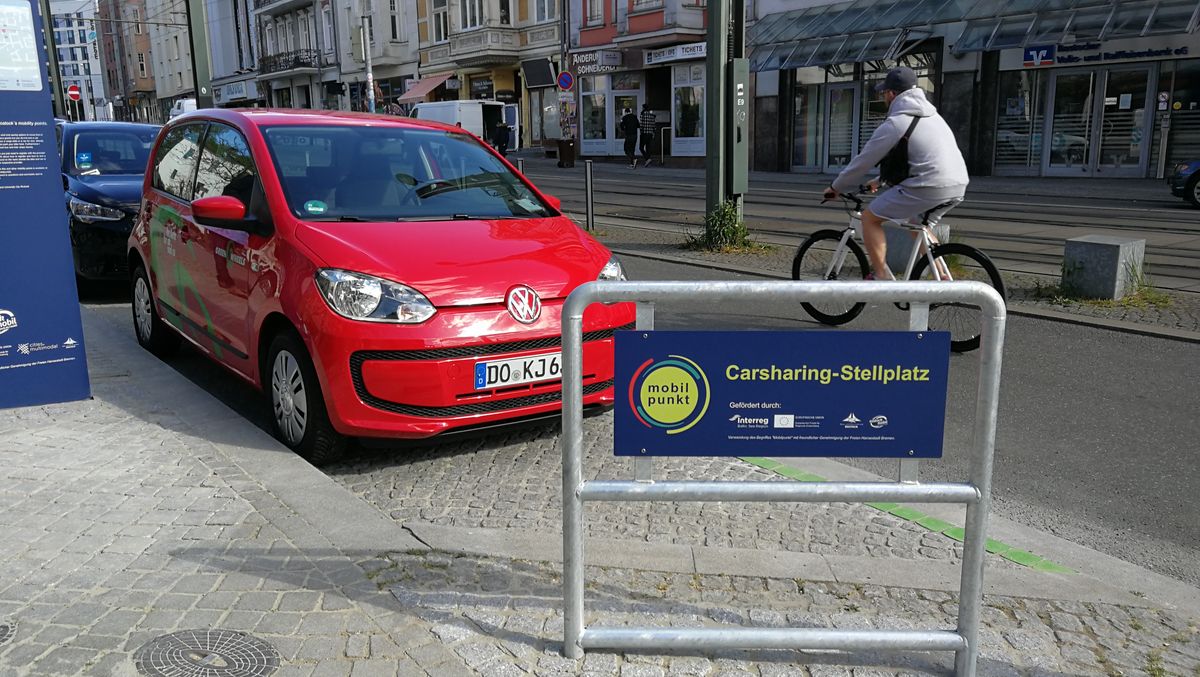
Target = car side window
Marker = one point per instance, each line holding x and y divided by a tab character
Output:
175	162
226	167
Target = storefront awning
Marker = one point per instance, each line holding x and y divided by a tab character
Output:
421	88
857	30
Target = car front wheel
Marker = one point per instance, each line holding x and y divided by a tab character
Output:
298	414
1193	190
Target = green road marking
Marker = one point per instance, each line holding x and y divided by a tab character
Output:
933	524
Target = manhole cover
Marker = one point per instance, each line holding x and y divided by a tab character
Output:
206	653
7	630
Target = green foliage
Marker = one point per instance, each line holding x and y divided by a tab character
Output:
723	230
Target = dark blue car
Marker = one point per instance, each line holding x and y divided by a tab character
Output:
1184	180
102	168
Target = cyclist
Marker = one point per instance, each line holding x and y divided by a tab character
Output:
937	174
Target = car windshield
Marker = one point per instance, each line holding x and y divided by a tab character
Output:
389	173
124	151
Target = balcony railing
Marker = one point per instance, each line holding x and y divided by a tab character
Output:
301	58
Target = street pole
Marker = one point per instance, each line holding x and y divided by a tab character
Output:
56	86
366	47
198	41
714	105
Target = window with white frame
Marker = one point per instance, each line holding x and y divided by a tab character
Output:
137	16
394	19
545	10
639	5
595	12
302	26
269	38
141	65
327	27
472	13
288	43
441	21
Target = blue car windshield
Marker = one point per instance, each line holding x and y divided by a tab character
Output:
110	151
391	173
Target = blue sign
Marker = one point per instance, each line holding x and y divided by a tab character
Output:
1042	55
566	80
41	338
781	393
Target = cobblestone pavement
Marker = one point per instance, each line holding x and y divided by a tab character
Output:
513	481
119	528
504	617
1181	311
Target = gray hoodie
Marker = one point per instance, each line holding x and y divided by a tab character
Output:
935	164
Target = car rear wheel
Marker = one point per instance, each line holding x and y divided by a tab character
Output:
298	414
1193	190
152	333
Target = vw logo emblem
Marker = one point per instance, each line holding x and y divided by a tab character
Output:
524	304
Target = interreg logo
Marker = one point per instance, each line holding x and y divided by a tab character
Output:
670	394
7	320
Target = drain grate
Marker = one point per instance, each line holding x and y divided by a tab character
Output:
206	653
7	630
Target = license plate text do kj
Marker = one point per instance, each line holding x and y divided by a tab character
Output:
518	370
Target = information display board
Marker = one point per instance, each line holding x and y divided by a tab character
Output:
781	393
41	336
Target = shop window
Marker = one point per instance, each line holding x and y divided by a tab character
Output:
1019	122
595	117
1184	143
688	112
806	125
626	81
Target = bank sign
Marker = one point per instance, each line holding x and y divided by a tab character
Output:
781	393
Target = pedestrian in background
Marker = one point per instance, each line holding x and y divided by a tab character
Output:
629	128
649	123
500	138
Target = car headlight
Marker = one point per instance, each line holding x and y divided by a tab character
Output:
1180	168
89	213
612	270
372	299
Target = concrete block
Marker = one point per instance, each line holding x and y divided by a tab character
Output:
899	245
1102	266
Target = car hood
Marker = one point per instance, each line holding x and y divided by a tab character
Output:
115	190
467	262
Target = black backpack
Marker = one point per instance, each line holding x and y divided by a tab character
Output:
893	168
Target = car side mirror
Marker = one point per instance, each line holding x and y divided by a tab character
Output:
226	211
554	202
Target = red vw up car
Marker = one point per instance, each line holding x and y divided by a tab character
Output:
374	276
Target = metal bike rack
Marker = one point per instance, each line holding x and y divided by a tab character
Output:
975	493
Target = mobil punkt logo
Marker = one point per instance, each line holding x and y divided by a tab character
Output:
671	395
7	320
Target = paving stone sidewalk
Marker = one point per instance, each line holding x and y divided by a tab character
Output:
121	525
1180	310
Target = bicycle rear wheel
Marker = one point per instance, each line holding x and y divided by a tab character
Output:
813	262
963	321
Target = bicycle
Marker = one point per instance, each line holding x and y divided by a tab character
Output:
836	255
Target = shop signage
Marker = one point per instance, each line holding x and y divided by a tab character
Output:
42	355
775	393
591	63
696	50
234	91
1089	53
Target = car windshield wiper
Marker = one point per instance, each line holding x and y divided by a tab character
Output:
438	186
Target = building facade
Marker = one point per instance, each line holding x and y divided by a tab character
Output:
127	60
392	41
1089	88
234	52
506	50
76	41
297	54
172	53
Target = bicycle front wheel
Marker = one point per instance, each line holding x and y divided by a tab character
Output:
815	260
964	321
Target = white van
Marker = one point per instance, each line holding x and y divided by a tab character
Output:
182	106
477	117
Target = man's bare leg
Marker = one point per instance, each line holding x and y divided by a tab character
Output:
876	245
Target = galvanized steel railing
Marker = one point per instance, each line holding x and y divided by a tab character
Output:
975	493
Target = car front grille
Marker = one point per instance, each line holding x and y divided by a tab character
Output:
480	407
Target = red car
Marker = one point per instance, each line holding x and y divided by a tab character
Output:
374	276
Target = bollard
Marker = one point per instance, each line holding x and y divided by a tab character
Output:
521	165
591	210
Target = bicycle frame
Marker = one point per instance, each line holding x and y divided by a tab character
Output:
925	241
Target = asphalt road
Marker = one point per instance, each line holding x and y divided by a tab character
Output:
1097	433
1021	223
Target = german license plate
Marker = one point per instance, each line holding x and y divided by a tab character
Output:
518	370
